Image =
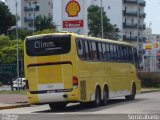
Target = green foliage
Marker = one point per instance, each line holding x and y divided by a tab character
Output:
150	79
0	83
94	24
22	34
21	92
8	49
43	22
6	18
46	31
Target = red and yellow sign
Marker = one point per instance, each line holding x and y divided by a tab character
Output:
73	8
73	24
155	45
147	47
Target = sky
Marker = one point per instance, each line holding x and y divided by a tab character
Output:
152	19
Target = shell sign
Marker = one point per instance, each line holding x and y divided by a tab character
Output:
74	16
73	8
155	45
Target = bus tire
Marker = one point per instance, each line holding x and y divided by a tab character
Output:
97	100
57	106
105	96
132	96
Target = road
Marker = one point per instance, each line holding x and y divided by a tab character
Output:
146	103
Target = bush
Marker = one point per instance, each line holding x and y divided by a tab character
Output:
150	79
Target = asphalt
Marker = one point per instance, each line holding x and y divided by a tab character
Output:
10	101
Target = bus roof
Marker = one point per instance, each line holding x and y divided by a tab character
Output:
83	36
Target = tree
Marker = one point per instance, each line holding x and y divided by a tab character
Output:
46	31
8	49
42	23
94	24
22	33
6	18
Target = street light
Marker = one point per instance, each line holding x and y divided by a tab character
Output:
102	19
34	4
138	23
17	45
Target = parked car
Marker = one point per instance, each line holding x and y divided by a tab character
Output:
22	83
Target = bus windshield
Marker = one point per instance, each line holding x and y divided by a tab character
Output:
48	45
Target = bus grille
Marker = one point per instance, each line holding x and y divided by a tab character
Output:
83	90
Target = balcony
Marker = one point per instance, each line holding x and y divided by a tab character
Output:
133	38
27	9
142	27
129	38
28	19
142	2
130	25
142	15
129	13
130	1
142	39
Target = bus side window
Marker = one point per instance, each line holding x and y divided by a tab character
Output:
80	49
108	54
115	52
94	50
86	50
130	54
125	53
100	51
90	50
104	51
111	52
120	53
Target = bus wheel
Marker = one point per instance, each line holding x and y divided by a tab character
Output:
57	106
132	96
97	100
105	96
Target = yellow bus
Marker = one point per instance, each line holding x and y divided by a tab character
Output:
62	68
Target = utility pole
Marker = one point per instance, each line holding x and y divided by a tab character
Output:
33	15
17	45
102	20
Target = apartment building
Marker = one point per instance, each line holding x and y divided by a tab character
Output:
27	10
128	15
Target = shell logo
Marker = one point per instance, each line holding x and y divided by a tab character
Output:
73	8
155	45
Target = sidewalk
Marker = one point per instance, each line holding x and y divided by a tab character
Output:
9	101
147	90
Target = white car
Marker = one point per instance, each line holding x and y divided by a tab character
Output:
21	85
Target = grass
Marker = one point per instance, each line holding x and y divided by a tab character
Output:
21	92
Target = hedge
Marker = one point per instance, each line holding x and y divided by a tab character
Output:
150	79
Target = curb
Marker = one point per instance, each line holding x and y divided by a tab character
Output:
148	91
15	106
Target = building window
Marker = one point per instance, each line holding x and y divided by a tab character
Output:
52	6
29	4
